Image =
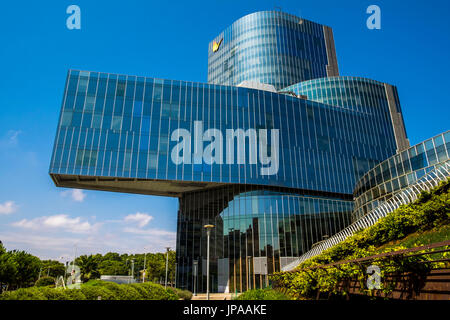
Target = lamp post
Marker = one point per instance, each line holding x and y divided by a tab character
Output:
167	265
208	228
249	273
195	270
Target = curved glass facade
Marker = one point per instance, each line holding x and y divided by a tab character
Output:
398	172
257	231
358	94
123	126
271	47
354	93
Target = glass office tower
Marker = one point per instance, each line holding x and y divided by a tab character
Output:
274	172
274	48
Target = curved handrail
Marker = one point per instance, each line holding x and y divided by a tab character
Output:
408	195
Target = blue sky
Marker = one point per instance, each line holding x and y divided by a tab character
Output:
169	40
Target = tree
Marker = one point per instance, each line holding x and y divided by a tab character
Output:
27	267
53	268
2	248
113	256
8	270
112	267
156	266
88	267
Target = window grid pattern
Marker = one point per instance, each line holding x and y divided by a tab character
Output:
353	93
263	223
398	172
120	126
268	47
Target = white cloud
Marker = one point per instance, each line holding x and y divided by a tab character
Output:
52	246
8	207
142	219
152	238
150	232
58	222
76	194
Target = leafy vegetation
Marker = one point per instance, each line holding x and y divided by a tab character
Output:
19	269
45	281
430	211
96	290
262	294
120	264
52	268
183	294
437	234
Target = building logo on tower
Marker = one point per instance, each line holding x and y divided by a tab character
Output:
216	45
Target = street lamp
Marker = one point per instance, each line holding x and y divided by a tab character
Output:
208	228
195	271
249	287
167	265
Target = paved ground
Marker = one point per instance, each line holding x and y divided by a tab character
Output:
214	296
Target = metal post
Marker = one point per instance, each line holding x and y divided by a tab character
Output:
208	233
176	267
207	265
249	274
132	269
167	265
145	269
195	268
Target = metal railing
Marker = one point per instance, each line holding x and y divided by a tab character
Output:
406	196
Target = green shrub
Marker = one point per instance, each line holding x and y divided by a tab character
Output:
74	294
157	292
183	294
131	293
262	294
122	291
172	295
141	290
94	283
45	281
52	293
93	292
32	293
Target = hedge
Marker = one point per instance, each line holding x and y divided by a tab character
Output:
92	290
45	281
262	294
